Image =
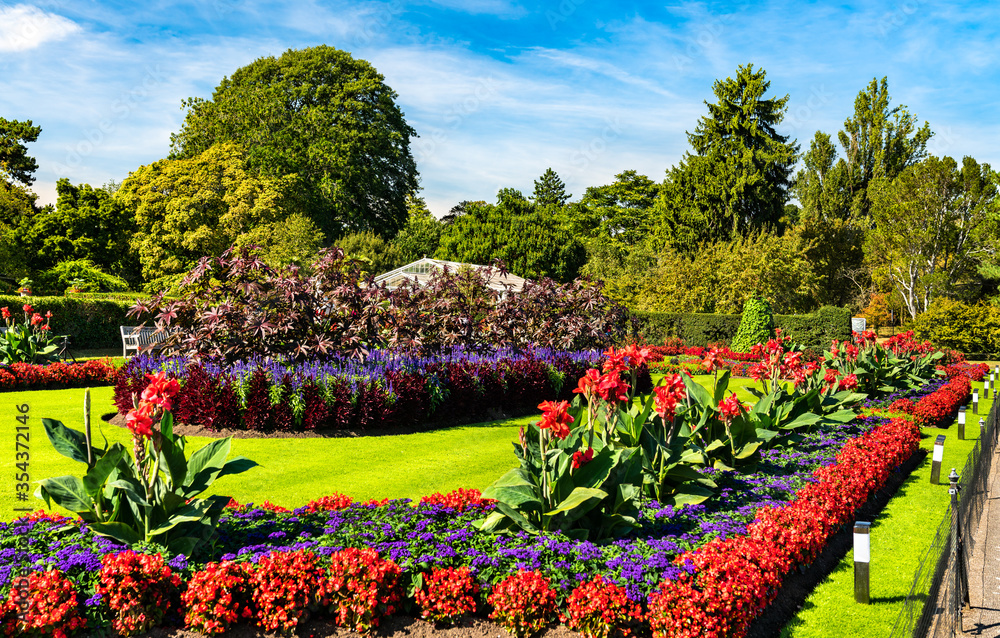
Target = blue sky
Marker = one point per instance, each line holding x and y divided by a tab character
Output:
498	91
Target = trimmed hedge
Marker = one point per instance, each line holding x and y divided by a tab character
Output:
812	331
90	323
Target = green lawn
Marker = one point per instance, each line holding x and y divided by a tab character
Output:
292	471
900	535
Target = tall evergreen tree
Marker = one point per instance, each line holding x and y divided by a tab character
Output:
15	163
550	190
737	177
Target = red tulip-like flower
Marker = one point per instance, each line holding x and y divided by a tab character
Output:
615	361
160	390
28	309
587	384
760	371
555	416
730	408
712	361
582	458
667	396
831	376
37	319
852	351
611	388
636	356
140	420
850	382
5	312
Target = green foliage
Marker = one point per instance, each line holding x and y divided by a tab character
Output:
323	116
879	142
721	276
90	323
187	209
816	330
738	177
27	342
375	253
118	500
550	190
931	228
621	211
967	328
83	274
756	325
17	206
420	237
88	224
293	240
530	243
15	163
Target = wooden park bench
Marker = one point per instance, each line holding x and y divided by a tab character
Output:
138	337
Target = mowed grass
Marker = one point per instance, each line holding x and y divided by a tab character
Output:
292	471
900	535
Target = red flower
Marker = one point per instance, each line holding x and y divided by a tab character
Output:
831	376
555	417
5	312
28	309
616	361
582	458
712	361
666	397
850	382
637	357
730	408
160	390
588	383
139	420
612	388
37	319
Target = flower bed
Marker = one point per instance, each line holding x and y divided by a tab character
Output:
386	391
702	570
29	376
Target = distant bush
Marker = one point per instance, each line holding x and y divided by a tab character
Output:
953	324
814	330
90	323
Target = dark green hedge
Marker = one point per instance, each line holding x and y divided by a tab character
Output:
90	323
812	331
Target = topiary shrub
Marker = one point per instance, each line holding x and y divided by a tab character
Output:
756	325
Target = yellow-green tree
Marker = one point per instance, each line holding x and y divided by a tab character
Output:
188	208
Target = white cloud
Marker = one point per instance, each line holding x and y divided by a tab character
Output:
24	27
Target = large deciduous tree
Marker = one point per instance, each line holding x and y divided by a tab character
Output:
186	209
737	176
931	228
324	116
